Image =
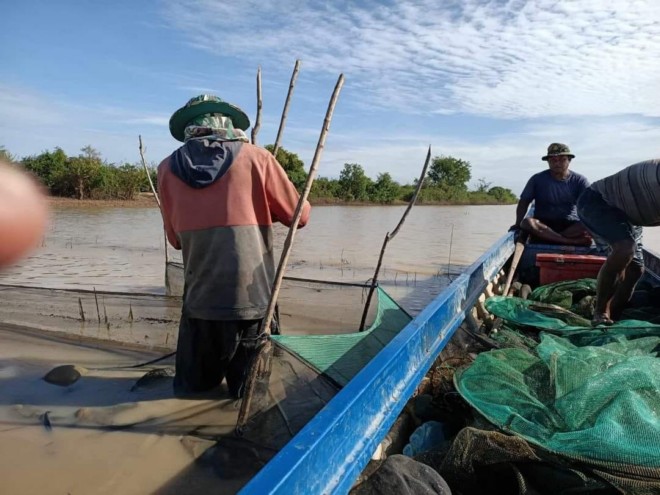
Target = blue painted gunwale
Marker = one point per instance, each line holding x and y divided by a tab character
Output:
330	452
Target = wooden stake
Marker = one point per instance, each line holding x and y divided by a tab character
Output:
96	299
153	190
257	122
389	237
82	312
451	241
279	274
285	111
146	169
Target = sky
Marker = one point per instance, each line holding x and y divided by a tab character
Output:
492	82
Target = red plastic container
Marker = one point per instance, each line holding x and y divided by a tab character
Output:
559	267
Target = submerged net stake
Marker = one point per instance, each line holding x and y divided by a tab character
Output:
389	237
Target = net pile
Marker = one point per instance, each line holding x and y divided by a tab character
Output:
578	395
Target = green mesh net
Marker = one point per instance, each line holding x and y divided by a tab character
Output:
576	295
589	394
340	357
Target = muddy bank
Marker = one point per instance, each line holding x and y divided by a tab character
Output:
143	200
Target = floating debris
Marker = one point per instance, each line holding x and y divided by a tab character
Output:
46	421
153	378
65	375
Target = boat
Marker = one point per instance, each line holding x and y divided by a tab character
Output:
358	412
363	423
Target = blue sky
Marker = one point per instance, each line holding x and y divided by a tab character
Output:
491	82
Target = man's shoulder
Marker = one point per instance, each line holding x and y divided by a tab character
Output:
164	165
577	177
256	155
542	175
255	151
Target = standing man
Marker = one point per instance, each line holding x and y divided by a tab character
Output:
220	196
615	209
555	193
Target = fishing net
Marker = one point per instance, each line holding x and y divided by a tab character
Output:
341	357
111	424
116	418
587	395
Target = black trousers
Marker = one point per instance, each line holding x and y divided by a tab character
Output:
210	351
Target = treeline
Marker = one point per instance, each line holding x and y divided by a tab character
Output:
446	183
88	176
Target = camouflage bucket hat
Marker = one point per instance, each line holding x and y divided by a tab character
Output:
203	104
558	149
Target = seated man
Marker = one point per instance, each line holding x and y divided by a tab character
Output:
615	209
555	192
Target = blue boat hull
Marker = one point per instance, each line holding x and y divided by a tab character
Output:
332	450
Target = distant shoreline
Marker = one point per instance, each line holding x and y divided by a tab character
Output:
143	200
146	200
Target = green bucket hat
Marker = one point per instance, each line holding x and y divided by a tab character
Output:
203	104
558	149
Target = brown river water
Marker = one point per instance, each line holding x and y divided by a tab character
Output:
105	433
123	248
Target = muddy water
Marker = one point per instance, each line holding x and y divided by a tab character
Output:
123	249
63	433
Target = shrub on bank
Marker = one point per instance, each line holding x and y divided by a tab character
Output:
88	176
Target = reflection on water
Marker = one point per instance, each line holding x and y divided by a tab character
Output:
123	248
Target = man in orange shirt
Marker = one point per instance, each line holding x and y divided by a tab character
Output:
220	196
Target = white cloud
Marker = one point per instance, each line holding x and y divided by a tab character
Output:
505	59
32	122
586	73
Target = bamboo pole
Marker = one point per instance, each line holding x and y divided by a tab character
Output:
146	170
285	111
153	190
517	255
389	237
257	122
279	275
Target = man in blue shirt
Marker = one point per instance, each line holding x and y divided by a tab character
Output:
555	192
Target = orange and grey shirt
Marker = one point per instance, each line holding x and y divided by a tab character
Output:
219	201
635	190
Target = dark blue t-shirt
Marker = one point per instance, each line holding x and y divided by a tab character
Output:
554	199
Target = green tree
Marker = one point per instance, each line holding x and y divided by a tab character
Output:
6	155
80	176
90	153
450	173
47	166
122	182
353	183
292	165
483	186
129	179
384	190
324	188
502	194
